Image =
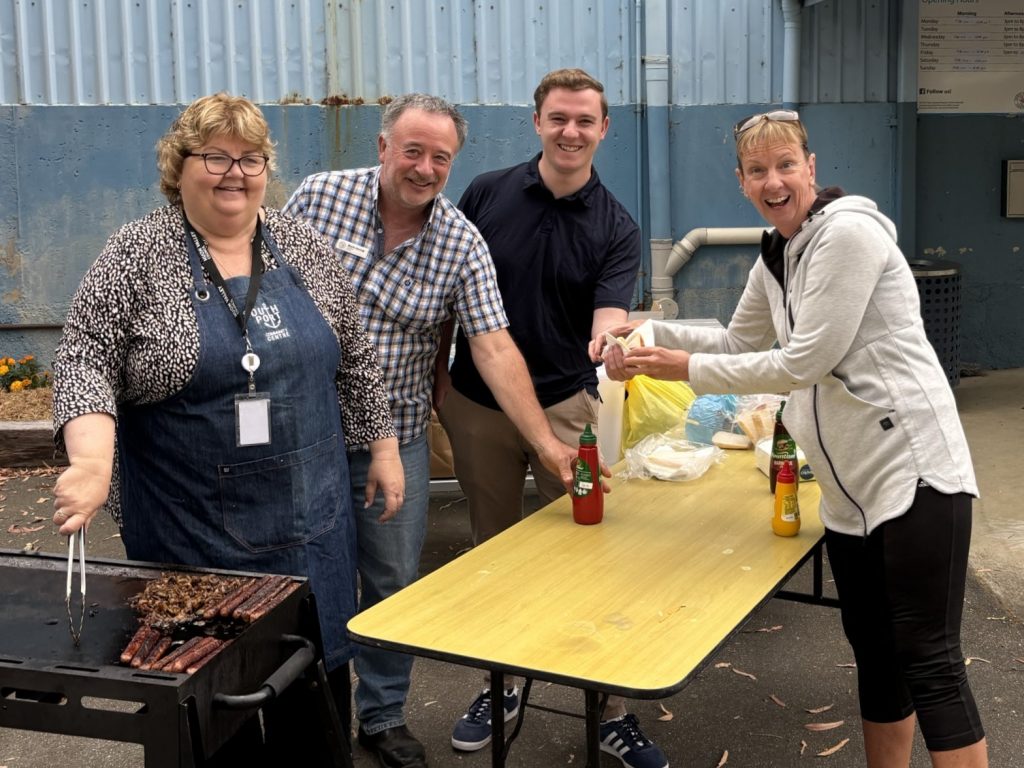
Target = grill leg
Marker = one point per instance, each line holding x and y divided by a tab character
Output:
307	713
335	706
190	747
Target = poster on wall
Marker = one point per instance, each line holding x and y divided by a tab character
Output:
970	56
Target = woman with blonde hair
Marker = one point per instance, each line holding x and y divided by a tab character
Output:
871	408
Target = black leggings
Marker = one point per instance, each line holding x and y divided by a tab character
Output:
902	591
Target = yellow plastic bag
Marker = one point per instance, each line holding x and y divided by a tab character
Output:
652	407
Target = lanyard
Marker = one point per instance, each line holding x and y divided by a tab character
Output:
250	360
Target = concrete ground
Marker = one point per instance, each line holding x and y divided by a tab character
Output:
789	659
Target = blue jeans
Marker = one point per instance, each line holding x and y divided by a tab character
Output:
388	559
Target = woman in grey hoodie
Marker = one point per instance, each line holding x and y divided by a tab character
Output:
872	410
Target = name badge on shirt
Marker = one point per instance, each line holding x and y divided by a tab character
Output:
356	250
252	419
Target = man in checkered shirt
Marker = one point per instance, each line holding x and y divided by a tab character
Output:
414	259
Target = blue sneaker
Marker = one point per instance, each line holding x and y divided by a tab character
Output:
473	731
623	738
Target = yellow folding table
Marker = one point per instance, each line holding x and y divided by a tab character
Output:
635	606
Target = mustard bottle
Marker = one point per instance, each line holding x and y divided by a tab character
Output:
786	520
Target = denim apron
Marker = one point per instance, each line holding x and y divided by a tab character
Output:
191	495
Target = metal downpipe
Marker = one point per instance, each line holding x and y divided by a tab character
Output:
656	64
791	10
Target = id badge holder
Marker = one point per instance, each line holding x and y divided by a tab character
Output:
252	419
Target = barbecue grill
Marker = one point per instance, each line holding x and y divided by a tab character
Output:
47	684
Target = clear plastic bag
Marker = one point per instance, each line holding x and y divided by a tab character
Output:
709	414
755	415
670	456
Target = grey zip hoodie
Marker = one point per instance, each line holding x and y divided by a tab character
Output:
870	405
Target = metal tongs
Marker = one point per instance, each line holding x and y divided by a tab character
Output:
76	634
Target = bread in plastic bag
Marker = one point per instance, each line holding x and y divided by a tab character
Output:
670	456
755	415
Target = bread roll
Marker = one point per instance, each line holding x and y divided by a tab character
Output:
731	440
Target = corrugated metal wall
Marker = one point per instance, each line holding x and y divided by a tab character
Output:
730	52
479	52
848	52
86	52
722	52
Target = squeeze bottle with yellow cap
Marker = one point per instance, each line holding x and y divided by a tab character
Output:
786	520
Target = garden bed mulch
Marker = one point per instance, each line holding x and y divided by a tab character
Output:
26	429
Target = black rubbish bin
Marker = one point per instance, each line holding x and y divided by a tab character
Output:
938	285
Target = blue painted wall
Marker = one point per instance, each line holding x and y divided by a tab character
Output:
854	148
69	176
959	186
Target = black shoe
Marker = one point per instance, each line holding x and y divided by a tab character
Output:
394	747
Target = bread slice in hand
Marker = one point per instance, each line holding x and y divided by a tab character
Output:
633	341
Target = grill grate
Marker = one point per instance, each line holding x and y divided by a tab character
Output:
47	684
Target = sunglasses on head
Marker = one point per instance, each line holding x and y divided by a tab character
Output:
776	115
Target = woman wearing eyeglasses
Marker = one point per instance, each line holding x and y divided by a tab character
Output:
218	345
871	408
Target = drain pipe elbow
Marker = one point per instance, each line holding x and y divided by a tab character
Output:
683	251
667	259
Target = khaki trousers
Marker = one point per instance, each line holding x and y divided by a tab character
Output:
491	457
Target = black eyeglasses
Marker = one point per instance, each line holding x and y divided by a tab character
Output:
776	115
219	164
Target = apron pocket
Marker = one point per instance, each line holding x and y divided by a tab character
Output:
282	500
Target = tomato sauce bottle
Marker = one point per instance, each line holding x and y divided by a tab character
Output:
783	449
587	493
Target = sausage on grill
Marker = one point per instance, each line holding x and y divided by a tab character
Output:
133	645
198	651
151	638
278	597
259	596
213	649
158	650
232	599
166	661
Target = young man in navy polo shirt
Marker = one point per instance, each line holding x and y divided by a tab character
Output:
566	253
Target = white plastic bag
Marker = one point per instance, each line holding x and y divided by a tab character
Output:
670	456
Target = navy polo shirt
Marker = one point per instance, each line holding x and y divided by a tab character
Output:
557	260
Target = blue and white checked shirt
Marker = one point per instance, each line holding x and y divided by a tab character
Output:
405	295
